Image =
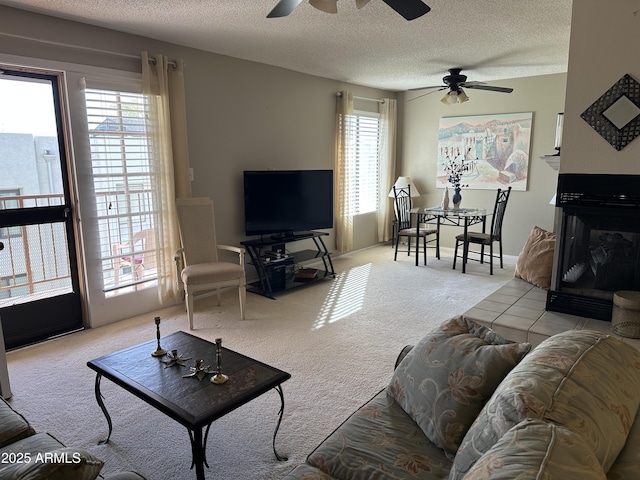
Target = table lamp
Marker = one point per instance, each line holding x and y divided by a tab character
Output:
403	182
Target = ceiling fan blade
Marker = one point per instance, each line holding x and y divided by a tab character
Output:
361	3
409	9
491	88
283	8
425	94
439	87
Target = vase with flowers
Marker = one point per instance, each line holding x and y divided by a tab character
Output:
455	168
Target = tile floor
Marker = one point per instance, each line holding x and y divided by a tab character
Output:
517	312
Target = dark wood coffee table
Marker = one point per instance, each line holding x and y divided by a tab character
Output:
190	402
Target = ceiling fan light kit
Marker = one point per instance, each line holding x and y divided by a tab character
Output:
326	6
462	97
450	98
455	97
454	83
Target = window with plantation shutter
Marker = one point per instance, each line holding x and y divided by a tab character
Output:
363	162
123	184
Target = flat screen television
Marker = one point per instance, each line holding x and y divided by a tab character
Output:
283	202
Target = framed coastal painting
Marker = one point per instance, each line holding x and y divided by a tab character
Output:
491	151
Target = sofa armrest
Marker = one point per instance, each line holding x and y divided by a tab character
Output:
403	353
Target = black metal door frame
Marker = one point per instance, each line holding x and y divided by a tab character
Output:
28	322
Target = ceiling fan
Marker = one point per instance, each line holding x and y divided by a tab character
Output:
409	9
454	82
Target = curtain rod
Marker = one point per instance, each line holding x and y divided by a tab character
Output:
80	47
339	94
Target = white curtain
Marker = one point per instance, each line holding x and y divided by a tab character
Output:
342	201
387	165
164	85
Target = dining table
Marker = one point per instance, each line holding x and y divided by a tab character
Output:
457	217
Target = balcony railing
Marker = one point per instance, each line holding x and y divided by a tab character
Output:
35	259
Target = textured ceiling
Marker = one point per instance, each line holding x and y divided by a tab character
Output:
373	46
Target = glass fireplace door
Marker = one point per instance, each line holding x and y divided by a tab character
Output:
599	254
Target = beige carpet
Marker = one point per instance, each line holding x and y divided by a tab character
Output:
338	339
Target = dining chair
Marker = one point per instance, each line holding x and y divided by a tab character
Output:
406	229
485	239
199	267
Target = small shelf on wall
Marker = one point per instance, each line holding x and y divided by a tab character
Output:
552	160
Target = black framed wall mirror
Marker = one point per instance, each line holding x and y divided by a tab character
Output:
616	114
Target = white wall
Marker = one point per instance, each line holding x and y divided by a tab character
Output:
605	45
543	95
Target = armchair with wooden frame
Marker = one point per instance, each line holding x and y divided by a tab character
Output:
485	239
199	267
406	229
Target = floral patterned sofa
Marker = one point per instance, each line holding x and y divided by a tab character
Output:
27	455
466	404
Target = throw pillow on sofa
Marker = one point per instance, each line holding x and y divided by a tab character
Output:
447	377
583	380
534	449
535	262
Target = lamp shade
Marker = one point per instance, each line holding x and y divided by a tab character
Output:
455	96
450	98
403	182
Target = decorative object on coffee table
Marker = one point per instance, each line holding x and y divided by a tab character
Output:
199	370
219	377
174	359
159	351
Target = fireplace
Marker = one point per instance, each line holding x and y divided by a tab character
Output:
598	243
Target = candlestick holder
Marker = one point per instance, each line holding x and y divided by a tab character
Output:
174	359
199	370
219	377
158	352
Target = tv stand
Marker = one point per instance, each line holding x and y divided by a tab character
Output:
291	236
277	269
